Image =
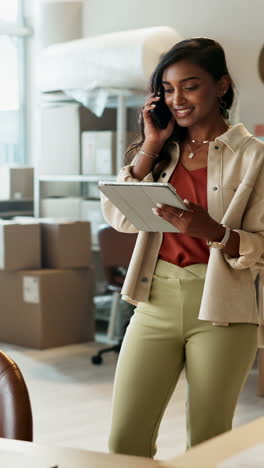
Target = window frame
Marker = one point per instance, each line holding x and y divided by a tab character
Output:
22	31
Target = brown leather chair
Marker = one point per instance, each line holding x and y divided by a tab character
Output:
15	408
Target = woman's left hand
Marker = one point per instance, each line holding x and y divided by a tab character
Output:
196	222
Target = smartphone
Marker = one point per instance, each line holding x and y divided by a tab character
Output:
161	115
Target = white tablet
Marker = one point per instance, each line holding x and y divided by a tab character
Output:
136	200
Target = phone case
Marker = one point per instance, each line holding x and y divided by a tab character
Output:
161	115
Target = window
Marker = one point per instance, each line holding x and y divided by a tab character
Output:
13	33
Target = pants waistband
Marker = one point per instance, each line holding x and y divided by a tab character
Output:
169	270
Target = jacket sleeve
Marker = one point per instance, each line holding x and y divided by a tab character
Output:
251	247
112	215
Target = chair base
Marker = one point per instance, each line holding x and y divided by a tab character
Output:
97	359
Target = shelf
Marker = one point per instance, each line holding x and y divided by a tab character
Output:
14	201
12	208
75	178
133	98
16	207
132	101
13	214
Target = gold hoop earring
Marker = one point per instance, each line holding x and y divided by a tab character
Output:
221	103
222	107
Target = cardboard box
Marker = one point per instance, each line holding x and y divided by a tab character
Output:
61	127
16	182
46	308
66	244
20	246
61	207
99	152
91	211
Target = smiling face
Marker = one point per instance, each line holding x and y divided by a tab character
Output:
191	93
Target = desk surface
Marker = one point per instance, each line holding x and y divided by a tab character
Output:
17	454
210	454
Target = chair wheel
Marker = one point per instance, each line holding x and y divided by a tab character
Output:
97	360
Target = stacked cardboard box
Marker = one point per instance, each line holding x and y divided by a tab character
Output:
75	208
46	283
98	151
16	182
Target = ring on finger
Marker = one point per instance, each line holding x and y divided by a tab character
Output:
181	214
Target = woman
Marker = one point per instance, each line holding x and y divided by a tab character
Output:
195	294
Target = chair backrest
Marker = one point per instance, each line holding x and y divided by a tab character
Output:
115	249
15	407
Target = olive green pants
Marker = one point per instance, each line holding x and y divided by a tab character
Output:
163	337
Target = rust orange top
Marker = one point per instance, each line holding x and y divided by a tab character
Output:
177	248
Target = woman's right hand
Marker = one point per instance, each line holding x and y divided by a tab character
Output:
154	134
154	141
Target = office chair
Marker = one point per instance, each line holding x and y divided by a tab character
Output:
115	250
15	408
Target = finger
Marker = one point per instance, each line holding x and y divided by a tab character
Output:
169	210
162	212
192	206
147	117
147	114
150	100
147	109
150	105
172	219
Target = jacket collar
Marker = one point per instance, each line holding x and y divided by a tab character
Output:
235	137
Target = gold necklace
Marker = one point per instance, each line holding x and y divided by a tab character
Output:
207	141
192	153
203	141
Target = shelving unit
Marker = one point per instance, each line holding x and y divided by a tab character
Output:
64	178
119	99
11	208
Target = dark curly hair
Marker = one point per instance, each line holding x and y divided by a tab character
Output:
210	56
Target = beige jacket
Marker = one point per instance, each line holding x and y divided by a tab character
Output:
235	190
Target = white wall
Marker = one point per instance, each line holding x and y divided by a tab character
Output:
34	46
236	24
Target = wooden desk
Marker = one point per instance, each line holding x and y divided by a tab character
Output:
17	454
211	453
